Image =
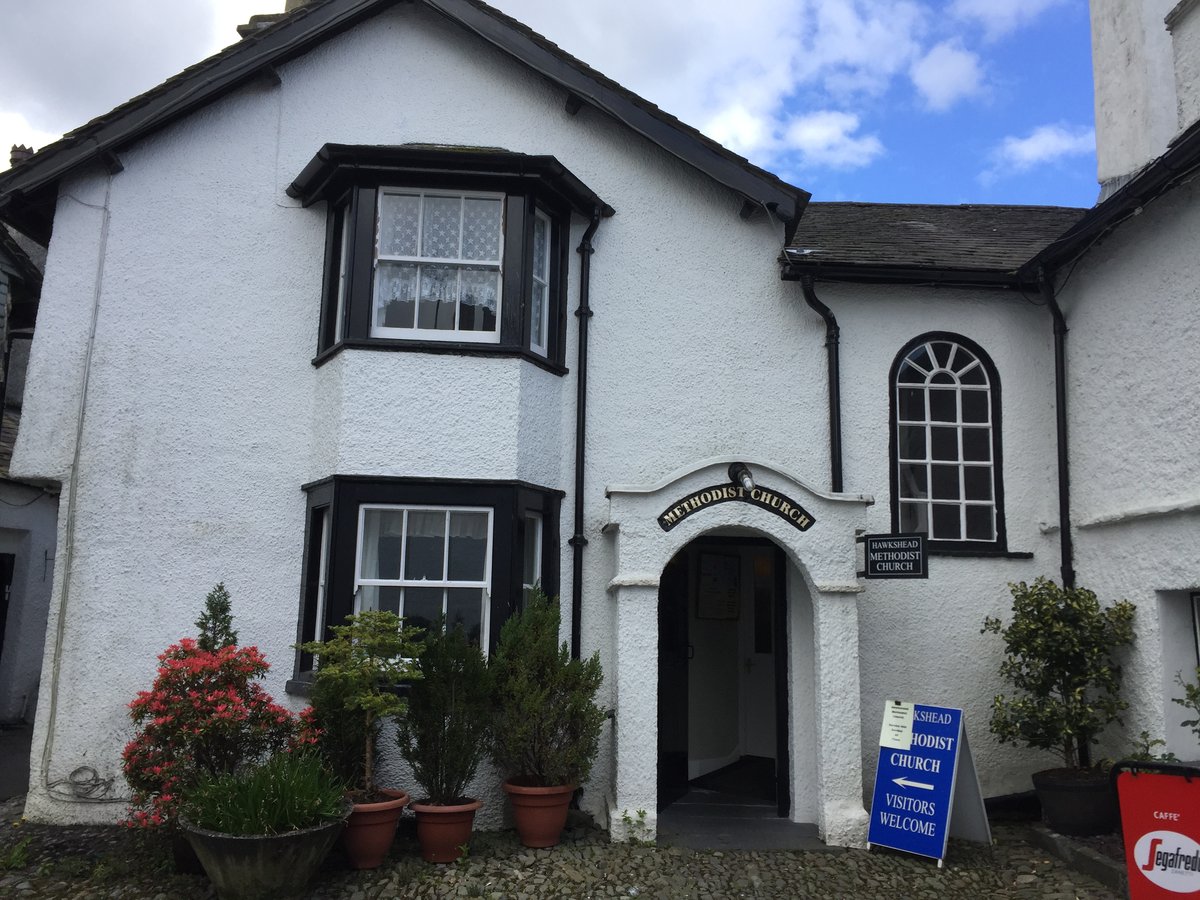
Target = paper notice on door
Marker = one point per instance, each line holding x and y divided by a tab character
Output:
897	725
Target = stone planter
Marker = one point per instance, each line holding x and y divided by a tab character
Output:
258	867
539	812
444	830
1077	802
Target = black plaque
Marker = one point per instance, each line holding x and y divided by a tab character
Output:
895	556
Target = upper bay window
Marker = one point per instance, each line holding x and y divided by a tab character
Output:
445	249
946	445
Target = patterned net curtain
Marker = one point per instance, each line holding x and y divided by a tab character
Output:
945	471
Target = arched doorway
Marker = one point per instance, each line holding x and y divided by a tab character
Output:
722	677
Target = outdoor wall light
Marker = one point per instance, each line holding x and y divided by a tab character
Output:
739	473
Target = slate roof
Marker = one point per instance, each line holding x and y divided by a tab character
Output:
917	237
27	193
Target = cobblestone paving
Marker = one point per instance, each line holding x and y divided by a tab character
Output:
77	863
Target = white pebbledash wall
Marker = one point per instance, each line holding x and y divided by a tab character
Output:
204	416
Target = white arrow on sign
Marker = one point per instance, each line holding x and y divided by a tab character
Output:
904	782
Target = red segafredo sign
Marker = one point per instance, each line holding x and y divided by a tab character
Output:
1160	818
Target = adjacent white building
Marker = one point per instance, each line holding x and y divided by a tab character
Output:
399	305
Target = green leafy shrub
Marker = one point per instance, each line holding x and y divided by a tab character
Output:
1190	701
545	723
288	792
1060	656
443	734
358	671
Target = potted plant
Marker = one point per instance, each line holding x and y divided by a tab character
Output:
264	831
442	736
206	714
1060	657
358	672
546	723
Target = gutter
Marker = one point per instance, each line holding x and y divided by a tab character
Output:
832	340
578	541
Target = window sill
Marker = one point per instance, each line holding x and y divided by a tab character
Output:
300	686
452	347
994	553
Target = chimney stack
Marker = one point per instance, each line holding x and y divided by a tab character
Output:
19	154
265	20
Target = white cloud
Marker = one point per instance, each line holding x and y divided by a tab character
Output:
827	138
1045	145
946	74
1001	17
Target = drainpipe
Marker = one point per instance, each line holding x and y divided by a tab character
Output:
1066	550
578	541
833	336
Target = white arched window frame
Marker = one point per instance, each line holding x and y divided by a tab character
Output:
945	444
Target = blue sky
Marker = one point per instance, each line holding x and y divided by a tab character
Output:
931	101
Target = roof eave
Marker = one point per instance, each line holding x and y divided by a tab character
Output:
794	270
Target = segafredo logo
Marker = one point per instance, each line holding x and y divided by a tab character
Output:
1170	860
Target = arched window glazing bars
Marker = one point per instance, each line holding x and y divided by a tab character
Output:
945	445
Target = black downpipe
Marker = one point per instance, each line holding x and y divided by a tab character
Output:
578	541
833	336
1066	550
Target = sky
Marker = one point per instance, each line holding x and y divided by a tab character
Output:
905	101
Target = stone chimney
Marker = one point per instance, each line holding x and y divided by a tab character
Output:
19	154
259	22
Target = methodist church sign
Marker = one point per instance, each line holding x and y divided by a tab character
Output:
783	506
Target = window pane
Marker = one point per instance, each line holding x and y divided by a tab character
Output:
942	378
921	358
947	524
468	546
425	546
942	351
981	523
914	482
914	518
541	248
909	375
945	443
943	406
975	406
441	227
537	315
912	404
380	597
973	375
912	442
439	296
382	534
530	574
479	292
945	482
481	229
464	606
977	444
422	606
399	221
395	295
978	481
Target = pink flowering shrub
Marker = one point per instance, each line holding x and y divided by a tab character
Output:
206	714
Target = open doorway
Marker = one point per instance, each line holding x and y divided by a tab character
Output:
722	678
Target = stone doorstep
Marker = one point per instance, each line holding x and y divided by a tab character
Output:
1084	860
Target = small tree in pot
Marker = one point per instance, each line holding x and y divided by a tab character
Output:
546	722
358	672
1060	653
443	737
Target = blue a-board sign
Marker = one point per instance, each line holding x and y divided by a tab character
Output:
925	766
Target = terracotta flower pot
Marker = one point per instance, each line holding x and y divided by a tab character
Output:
444	830
371	829
540	812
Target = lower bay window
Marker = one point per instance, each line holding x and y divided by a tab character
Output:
469	551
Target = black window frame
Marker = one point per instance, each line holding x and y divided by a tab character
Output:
998	546
343	495
348	177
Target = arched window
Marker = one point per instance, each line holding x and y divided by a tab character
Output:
946	444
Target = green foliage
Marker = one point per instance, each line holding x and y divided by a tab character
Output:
358	670
443	734
288	792
15	856
546	723
1190	701
1144	749
216	622
1059	655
